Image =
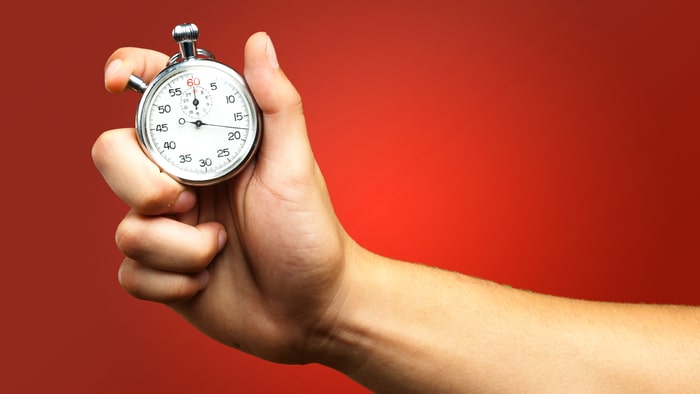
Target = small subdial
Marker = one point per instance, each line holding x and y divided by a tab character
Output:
196	102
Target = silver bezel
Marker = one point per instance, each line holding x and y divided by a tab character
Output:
186	177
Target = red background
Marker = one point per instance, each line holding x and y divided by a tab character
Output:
549	145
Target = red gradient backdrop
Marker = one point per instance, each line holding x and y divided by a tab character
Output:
548	145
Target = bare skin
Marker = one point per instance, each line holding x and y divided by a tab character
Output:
261	263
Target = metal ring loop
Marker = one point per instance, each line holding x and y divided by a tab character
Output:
202	53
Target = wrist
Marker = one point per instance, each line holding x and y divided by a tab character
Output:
337	340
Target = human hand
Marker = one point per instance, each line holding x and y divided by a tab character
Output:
257	262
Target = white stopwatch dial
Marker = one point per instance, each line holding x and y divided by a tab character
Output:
197	120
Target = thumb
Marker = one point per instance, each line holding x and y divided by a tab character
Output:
285	140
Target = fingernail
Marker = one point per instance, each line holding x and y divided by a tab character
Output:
112	68
222	238
271	55
203	279
184	202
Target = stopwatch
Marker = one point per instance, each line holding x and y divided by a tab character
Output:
197	119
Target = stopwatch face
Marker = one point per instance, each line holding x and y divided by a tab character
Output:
198	122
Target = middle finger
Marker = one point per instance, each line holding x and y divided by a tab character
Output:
166	244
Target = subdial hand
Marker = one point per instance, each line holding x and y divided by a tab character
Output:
195	102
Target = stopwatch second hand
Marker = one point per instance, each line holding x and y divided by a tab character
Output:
199	124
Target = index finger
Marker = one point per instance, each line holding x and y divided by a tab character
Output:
136	179
144	63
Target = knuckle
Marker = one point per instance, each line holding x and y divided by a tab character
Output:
130	280
197	260
180	289
158	199
129	238
149	202
295	104
202	260
101	146
155	286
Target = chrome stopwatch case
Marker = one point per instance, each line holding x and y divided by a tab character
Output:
197	120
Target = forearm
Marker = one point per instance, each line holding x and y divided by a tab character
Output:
411	328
